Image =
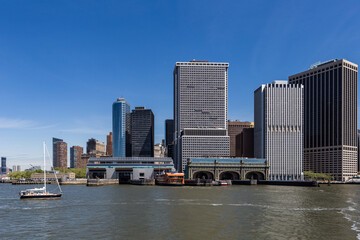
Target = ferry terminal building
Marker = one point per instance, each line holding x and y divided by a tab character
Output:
126	169
227	168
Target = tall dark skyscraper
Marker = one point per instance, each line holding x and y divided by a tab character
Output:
142	132
330	117
3	165
169	131
169	137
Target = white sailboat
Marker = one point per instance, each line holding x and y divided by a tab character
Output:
41	193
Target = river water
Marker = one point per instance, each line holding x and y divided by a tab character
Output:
154	212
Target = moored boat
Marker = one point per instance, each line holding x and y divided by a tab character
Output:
170	179
222	183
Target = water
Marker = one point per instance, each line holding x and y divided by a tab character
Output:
152	212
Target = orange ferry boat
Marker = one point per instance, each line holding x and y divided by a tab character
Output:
170	179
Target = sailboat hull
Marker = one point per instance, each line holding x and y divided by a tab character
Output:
42	196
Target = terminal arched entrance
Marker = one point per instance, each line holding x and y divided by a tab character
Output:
229	176
203	175
255	175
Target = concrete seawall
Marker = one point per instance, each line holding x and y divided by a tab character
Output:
101	182
74	182
280	183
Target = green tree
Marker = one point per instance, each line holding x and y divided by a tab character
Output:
23	174
309	175
79	172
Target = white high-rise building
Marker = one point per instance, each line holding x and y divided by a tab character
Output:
200	111
278	131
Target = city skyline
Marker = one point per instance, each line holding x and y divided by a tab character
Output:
57	83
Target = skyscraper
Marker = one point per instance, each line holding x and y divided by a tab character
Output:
169	137
55	140
60	154
330	117
278	133
142	132
121	128
3	165
109	144
200	110
75	156
169	131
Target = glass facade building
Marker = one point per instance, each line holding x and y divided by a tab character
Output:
3	165
121	128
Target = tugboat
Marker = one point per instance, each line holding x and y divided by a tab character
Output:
170	179
41	193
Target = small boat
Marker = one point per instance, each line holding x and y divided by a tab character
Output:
170	179
355	179
41	193
222	183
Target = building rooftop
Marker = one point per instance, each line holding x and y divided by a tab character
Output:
318	66
198	60
280	82
229	160
203	63
135	160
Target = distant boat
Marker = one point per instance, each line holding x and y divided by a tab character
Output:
170	179
41	193
355	179
222	183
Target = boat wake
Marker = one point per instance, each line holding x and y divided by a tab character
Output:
353	216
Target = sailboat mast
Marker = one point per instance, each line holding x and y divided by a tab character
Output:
44	168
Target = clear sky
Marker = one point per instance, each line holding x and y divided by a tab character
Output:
63	63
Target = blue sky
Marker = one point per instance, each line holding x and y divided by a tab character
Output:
63	63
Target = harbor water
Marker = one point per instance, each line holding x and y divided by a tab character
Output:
154	212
